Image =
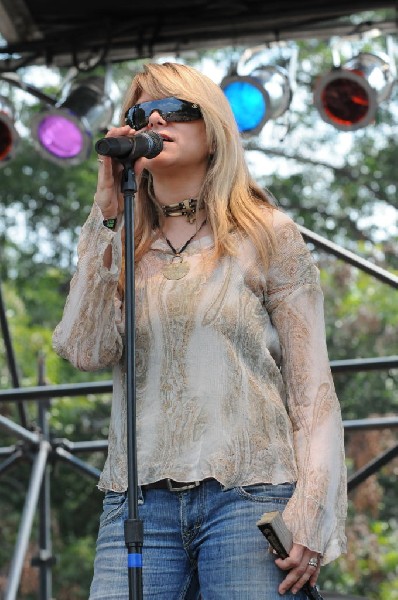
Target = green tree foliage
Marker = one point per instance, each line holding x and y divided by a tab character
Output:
339	185
371	568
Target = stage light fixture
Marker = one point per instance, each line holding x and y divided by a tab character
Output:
348	96
256	98
9	137
64	132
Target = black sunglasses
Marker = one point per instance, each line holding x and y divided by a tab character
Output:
170	109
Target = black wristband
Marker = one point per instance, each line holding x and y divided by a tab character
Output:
110	223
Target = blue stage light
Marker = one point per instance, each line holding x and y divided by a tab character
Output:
256	98
248	102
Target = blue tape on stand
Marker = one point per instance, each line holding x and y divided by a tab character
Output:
134	560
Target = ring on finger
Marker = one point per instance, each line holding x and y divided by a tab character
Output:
313	562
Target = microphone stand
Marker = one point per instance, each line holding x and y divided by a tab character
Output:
133	526
127	150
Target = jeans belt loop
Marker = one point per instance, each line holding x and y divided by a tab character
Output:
183	488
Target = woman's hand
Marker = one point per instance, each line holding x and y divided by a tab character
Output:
300	571
108	196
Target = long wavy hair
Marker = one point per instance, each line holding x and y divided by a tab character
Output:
232	199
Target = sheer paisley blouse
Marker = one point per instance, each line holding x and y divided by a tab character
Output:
232	371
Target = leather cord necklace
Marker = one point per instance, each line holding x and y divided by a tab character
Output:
178	267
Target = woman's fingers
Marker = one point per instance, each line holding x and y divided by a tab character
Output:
315	575
303	565
108	195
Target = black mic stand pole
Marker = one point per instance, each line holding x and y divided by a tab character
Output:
133	527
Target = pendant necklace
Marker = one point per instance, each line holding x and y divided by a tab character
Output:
178	268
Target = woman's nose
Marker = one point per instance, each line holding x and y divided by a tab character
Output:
155	118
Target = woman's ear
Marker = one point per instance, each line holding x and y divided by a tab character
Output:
212	150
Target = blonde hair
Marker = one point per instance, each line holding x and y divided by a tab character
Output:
232	199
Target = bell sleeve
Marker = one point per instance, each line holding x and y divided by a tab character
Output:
89	334
317	511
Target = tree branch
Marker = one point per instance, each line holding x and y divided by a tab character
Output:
338	171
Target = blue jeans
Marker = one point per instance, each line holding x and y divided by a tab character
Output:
203	542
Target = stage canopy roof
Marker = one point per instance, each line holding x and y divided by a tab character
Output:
73	32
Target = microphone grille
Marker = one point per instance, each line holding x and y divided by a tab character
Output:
155	145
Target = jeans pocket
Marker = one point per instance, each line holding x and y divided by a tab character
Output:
112	506
267	492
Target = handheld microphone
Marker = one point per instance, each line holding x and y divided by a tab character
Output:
148	144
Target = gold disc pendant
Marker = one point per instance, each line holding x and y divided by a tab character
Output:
177	269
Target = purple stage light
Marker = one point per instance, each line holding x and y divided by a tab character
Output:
64	132
60	136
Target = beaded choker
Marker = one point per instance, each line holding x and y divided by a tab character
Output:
185	208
